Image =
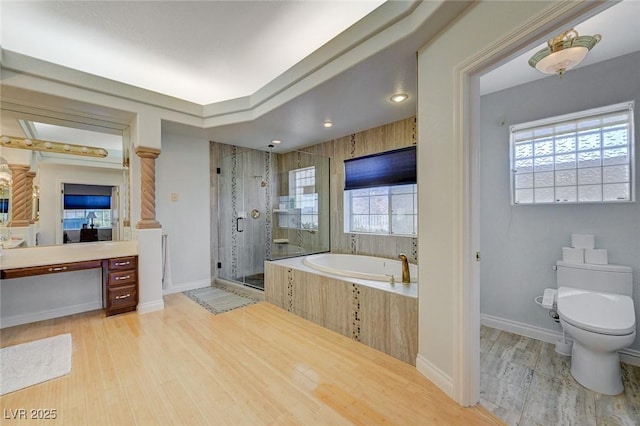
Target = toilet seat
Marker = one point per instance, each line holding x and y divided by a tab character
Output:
597	312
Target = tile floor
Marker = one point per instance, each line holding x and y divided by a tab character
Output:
525	382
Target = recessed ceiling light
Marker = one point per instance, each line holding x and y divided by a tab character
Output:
327	124
276	141
399	97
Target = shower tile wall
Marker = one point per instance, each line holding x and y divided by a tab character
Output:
312	241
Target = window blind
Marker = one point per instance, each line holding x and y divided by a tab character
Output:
87	202
575	158
390	168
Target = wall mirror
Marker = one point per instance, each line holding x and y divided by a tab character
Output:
81	188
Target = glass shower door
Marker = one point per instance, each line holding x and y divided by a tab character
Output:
241	217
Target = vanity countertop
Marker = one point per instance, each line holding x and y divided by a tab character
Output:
50	255
12	243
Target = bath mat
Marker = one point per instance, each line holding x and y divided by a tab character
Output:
34	362
217	300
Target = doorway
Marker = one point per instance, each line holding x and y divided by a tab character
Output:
467	378
89	213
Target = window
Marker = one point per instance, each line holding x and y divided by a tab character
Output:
76	219
585	157
78	207
382	210
380	194
302	212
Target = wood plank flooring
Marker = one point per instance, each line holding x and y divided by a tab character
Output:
257	365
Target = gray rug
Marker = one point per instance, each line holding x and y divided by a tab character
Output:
34	362
217	300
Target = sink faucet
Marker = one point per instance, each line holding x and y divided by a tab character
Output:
406	278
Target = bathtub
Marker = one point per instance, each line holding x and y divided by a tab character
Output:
362	267
374	312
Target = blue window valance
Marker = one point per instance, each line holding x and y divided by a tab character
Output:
390	168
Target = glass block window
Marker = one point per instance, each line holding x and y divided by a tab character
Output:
385	210
303	198
584	157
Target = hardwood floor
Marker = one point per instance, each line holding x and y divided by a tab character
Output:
255	365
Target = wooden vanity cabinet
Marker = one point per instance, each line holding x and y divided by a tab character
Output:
120	284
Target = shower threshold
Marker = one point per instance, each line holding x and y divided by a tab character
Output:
254	281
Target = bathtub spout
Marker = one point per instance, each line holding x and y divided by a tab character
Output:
406	278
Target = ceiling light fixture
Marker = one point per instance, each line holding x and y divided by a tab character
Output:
57	147
399	97
276	142
327	124
563	52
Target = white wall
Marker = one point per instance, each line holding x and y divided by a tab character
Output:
50	178
29	299
521	243
183	168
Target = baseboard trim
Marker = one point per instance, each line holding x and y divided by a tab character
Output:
192	285
433	373
50	314
628	356
522	329
156	305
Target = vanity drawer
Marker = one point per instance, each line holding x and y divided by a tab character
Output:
122	296
49	269
122	278
122	263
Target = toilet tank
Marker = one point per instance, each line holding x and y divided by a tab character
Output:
616	279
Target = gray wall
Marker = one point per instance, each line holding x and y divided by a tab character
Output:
520	244
183	168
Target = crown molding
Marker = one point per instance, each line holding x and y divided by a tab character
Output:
391	23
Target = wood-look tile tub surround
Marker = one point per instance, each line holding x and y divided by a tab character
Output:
383	320
394	135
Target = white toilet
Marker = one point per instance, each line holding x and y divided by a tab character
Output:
596	310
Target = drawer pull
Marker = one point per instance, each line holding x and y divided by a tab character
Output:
123	278
59	268
124	296
122	263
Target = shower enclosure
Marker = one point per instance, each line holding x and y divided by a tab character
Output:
268	206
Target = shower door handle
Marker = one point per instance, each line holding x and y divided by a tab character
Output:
238	224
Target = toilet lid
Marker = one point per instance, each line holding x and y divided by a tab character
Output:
599	312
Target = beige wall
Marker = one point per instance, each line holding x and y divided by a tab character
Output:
394	135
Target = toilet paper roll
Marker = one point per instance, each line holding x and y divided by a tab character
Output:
585	241
596	256
572	255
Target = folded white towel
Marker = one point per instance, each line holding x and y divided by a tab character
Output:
596	256
586	241
572	255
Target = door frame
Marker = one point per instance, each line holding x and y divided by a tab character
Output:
466	354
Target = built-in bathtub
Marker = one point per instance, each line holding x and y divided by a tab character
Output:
363	267
375	312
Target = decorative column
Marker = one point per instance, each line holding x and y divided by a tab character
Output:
148	188
20	195
28	207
